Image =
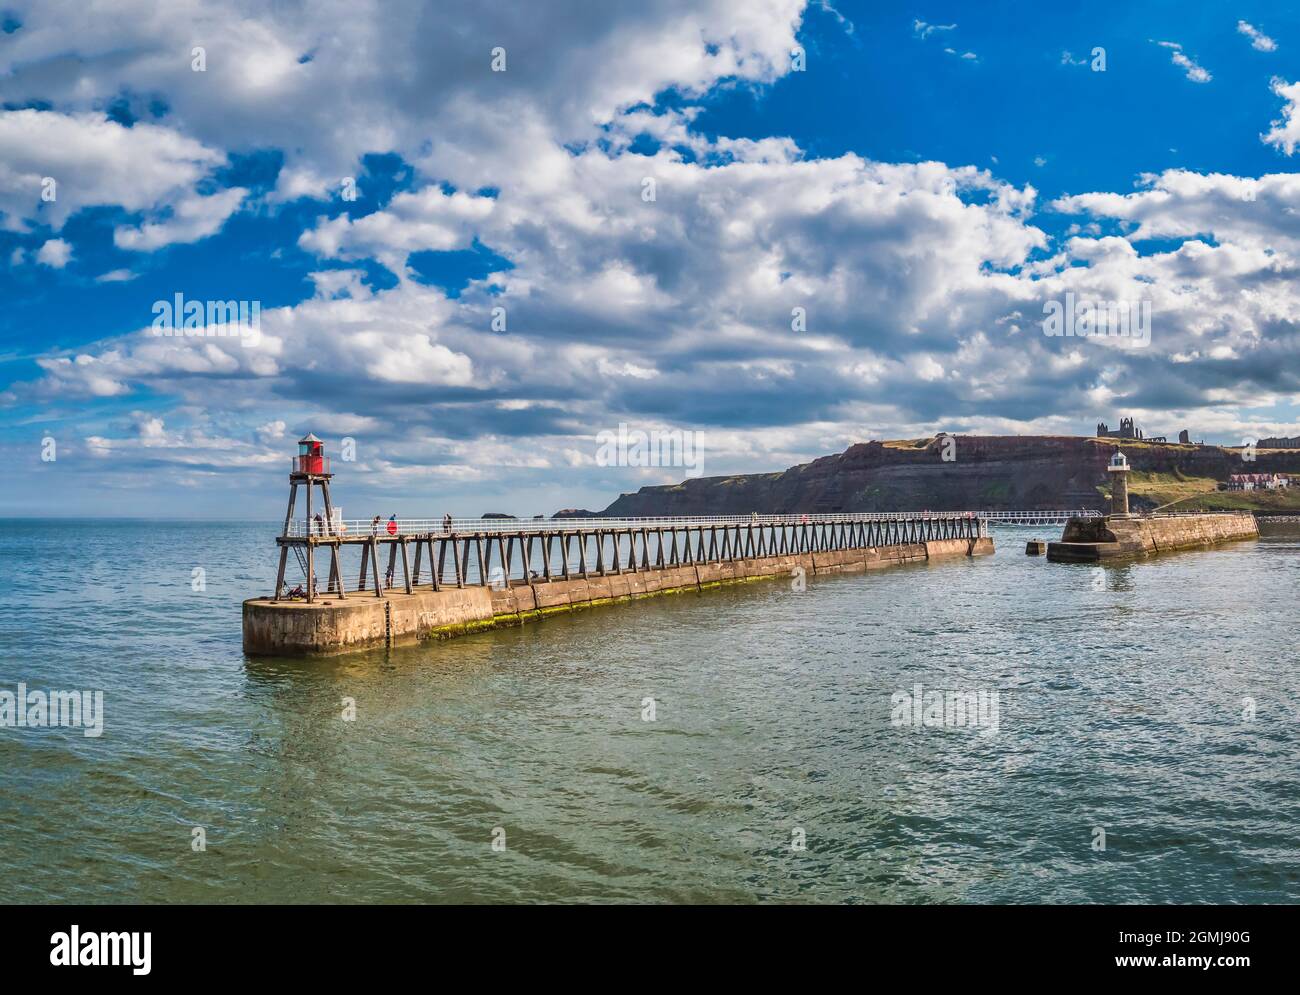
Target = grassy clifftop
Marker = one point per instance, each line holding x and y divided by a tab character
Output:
1177	492
968	472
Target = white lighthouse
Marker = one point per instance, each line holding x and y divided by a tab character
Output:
1118	469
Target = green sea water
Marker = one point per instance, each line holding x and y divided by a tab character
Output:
739	745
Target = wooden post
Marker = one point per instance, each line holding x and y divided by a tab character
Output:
334	568
374	562
365	555
279	574
406	566
311	568
338	571
329	508
419	549
293	498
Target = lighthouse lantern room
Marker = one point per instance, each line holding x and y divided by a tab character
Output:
311	457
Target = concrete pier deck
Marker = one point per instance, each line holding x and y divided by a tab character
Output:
1094	539
330	626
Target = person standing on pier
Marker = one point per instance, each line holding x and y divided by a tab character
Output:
374	526
446	523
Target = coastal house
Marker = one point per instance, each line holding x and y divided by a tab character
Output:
1258	481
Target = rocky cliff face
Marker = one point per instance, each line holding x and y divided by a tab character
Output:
987	472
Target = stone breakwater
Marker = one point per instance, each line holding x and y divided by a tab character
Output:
293	628
1088	540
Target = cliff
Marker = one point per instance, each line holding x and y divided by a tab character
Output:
988	472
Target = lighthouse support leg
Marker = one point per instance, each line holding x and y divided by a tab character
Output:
288	515
279	575
311	572
337	567
329	508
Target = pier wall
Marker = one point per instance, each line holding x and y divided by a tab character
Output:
363	621
1087	540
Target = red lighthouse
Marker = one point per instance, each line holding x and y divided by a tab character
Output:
311	458
311	468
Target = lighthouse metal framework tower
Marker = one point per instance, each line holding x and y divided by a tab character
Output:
311	468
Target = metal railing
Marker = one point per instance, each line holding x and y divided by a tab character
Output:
1037	517
559	549
1191	514
387	528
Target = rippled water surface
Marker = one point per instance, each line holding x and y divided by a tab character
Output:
1124	698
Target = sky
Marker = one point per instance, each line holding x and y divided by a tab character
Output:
475	239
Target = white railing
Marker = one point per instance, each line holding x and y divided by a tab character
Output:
1037	517
355	527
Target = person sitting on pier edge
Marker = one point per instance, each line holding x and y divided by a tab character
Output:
297	592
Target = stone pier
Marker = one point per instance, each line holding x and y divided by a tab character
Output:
1093	539
330	626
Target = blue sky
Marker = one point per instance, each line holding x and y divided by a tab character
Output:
918	189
